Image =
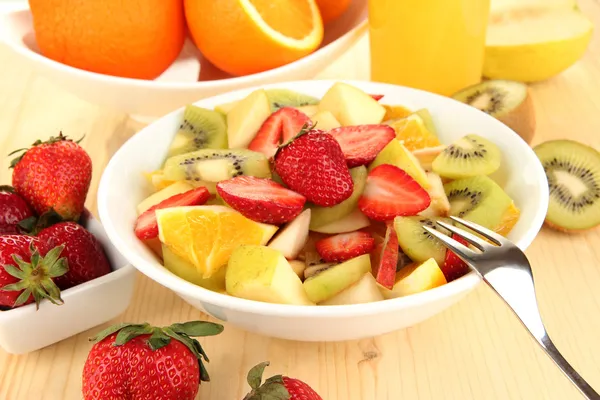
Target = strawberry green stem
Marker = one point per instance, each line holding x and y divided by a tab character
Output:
273	388
38	142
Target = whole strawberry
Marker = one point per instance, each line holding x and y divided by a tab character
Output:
82	250
314	165
27	273
55	174
277	387
140	361
13	209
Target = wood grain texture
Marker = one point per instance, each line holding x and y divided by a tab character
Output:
474	350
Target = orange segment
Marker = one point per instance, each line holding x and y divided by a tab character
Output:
509	220
411	131
395	112
248	30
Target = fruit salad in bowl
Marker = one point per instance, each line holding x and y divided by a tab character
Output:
297	210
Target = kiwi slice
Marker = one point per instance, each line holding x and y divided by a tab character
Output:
215	165
470	155
200	129
315	269
507	101
418	244
573	172
478	199
280	98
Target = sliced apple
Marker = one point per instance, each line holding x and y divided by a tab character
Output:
298	267
384	258
169	191
363	291
439	206
226	107
189	272
325	120
416	278
293	236
350	223
427	155
351	106
246	117
263	274
396	154
309	110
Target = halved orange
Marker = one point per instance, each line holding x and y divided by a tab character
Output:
248	36
413	133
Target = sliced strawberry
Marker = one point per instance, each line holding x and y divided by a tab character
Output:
454	267
361	144
345	246
260	199
284	124
377	96
384	259
146	226
391	192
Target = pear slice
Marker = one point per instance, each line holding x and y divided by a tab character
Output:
350	223
245	119
298	267
396	154
351	106
309	110
189	272
293	236
157	197
439	206
325	121
427	155
363	291
263	274
416	278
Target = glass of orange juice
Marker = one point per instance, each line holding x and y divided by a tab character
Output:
434	45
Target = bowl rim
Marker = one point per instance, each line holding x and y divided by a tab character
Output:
187	289
358	29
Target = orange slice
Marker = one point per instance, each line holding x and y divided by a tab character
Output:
395	112
249	36
413	133
509	220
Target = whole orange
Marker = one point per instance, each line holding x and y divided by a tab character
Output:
332	9
131	38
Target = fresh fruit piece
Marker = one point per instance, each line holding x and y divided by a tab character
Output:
377	96
384	258
573	172
263	274
129	40
427	155
478	199
146	226
216	165
22	258
394	112
396	154
391	192
251	36
200	129
126	360
412	133
55	174
246	118
313	165
440	206
13	210
186	270
509	102
332	9
155	245
530	44
351	106
298	267
417	278
315	269
280	98
157	179
361	144
310	110
416	242
224	108
260	199
309	253
206	235
85	256
161	195
282	125
352	222
322	216
345	246
509	220
292	237
325	120
471	155
363	291
277	387
427	119
328	282
453	267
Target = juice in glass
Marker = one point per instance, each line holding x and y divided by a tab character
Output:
434	45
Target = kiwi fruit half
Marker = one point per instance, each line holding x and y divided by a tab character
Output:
200	129
279	98
418	244
508	101
215	165
573	172
469	156
478	199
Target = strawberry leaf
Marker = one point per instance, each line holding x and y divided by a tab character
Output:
7	189
132	331
272	389
158	339
255	374
197	328
108	331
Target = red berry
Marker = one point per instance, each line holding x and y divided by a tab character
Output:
391	192
13	209
377	96
261	200
299	390
361	144
385	258
283	124
313	165
345	246
453	267
277	387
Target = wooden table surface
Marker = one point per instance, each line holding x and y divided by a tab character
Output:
474	350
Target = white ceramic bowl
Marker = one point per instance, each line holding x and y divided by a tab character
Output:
175	88
521	175
92	303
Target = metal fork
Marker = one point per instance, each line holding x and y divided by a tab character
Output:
505	268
